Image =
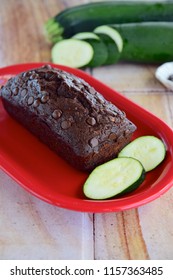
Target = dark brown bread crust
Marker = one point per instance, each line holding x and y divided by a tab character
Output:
68	115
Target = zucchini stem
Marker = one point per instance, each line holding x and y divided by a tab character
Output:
53	30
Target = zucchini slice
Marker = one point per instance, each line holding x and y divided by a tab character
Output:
149	150
112	33
113	42
100	50
72	52
115	177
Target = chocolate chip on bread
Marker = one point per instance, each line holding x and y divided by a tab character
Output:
68	115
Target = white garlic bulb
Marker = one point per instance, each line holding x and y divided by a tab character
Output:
164	74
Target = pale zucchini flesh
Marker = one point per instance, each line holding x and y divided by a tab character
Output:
100	54
118	176
149	150
86	35
72	52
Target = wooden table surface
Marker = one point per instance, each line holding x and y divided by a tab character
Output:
33	229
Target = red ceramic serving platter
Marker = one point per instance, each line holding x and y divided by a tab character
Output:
41	172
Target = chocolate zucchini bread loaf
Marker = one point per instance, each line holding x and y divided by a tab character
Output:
68	115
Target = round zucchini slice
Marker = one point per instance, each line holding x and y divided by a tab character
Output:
115	177
72	52
149	150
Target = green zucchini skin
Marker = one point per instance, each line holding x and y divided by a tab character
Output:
100	52
134	186
147	42
112	50
88	16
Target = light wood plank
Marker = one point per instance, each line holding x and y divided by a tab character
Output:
120	235
156	220
129	77
33	229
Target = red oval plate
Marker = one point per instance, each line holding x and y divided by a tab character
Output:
41	172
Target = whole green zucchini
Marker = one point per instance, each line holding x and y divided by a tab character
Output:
88	16
147	42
